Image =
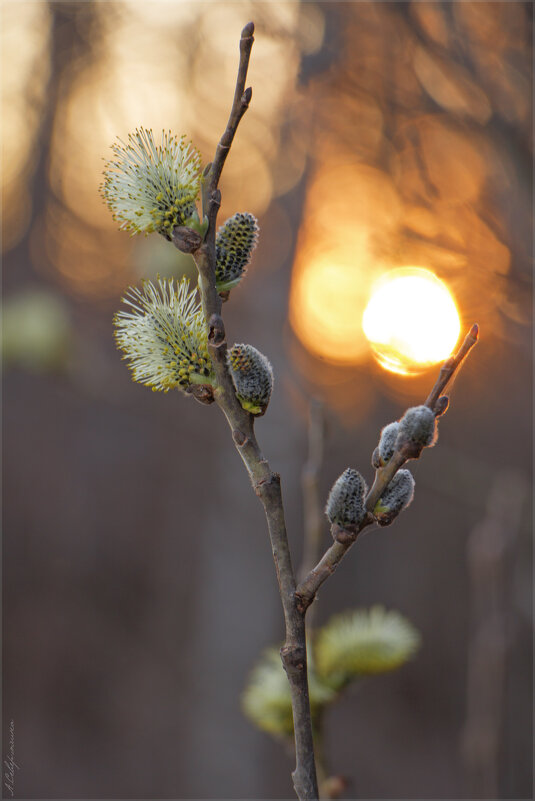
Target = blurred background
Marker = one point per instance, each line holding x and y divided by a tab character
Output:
139	588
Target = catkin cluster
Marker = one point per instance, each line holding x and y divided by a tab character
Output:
346	505
153	187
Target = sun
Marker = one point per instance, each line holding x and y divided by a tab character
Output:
411	320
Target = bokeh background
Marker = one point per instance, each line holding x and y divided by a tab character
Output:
138	584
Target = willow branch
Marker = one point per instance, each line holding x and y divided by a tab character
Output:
451	366
312	507
240	104
266	483
345	537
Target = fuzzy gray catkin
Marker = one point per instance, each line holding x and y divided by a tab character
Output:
234	244
418	426
387	445
345	504
396	497
252	375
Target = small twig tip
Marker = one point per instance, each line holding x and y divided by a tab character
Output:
474	331
248	30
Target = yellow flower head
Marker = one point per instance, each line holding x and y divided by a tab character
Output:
164	336
151	187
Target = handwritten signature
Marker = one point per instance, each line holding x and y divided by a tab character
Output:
10	766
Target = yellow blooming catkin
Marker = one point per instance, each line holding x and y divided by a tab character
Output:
164	337
152	187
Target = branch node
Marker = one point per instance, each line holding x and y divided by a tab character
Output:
246	97
273	479
204	393
216	330
303	602
215	199
294	658
186	239
239	437
344	535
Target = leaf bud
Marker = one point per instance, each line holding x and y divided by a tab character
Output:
387	445
396	497
345	504
441	406
252	376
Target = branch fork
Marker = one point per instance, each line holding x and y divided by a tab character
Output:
307	589
296	599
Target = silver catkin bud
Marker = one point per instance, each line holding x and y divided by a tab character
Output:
252	375
396	497
345	504
418	426
387	445
234	244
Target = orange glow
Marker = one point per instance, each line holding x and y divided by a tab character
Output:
411	321
131	81
326	306
24	39
339	256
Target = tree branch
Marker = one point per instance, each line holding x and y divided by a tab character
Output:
312	507
451	366
240	104
265	482
344	538
295	601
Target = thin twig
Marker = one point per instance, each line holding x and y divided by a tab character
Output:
451	366
312	507
265	482
344	539
240	104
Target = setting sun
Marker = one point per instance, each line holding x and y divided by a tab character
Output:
411	321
